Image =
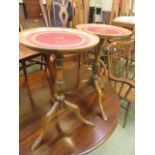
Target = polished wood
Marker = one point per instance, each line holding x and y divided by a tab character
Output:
66	134
121	71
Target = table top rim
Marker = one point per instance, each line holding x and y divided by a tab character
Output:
80	49
129	32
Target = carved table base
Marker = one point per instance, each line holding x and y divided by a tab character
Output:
59	103
95	81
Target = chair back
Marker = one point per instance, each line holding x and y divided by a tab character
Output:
121	8
122	68
121	59
65	13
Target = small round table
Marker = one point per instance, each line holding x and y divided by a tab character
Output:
106	33
60	41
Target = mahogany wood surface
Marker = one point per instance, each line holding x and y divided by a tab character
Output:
66	135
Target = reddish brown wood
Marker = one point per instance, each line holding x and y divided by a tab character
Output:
66	134
33	9
21	11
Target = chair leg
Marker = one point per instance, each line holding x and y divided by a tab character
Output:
79	61
42	59
24	70
126	114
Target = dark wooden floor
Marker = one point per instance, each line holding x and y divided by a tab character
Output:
66	134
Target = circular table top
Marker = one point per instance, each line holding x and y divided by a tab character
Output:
105	31
63	40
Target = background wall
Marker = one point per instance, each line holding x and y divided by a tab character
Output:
105	4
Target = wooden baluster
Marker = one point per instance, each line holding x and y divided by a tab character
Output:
131	10
63	14
73	14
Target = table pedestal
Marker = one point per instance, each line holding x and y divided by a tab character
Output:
97	66
97	82
60	102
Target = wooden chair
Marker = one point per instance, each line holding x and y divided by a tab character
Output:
121	71
29	57
122	10
80	12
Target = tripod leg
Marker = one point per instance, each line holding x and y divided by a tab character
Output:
97	82
99	92
75	109
51	113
